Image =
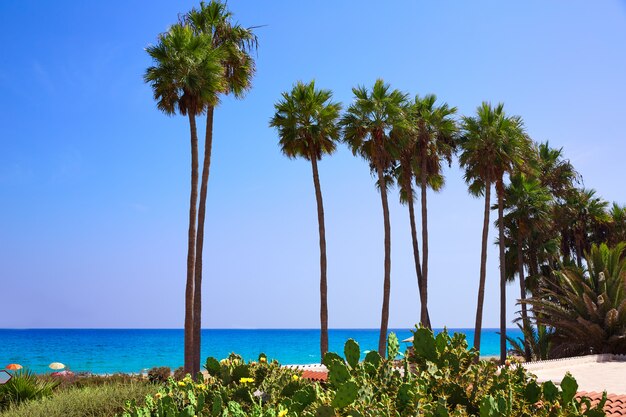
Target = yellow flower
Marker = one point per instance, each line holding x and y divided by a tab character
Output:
181	384
263	359
158	395
295	377
246	380
282	413
187	379
201	386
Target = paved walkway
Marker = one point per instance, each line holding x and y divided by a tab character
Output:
593	372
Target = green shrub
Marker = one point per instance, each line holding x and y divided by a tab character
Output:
23	386
441	377
94	401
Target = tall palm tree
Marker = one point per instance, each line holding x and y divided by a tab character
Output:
184	78
307	124
404	174
435	131
555	172
235	43
492	144
527	204
367	127
586	214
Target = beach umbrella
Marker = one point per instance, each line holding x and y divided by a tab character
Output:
14	367
56	365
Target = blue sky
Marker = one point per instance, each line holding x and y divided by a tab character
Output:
94	180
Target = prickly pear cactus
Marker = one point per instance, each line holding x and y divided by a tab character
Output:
345	395
424	344
338	373
393	346
324	411
331	357
352	352
212	366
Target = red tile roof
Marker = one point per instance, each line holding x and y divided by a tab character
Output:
315	375
615	404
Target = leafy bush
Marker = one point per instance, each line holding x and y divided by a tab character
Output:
159	374
439	378
179	373
99	400
24	386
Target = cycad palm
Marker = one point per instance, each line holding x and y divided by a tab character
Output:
492	145
235	43
367	127
435	141
185	77
306	120
587	309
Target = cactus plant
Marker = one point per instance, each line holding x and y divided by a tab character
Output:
393	346
345	395
352	352
338	373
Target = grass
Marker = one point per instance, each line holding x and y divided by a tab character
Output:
89	401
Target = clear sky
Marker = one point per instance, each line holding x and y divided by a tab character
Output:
94	181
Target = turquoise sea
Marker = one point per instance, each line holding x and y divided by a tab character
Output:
134	350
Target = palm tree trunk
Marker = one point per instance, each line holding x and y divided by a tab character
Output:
483	268
424	246
323	281
384	320
191	247
416	251
197	298
500	192
522	288
579	253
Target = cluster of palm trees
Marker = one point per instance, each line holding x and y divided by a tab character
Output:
544	219
200	58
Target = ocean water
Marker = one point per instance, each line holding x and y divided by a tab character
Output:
134	350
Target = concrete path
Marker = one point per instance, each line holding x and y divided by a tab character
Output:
593	372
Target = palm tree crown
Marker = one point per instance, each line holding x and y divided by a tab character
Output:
369	120
306	120
435	136
186	71
234	41
493	144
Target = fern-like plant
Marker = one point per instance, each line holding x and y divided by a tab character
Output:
586	308
24	385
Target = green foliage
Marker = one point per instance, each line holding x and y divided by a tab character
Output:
439	378
586	309
97	397
25	386
538	339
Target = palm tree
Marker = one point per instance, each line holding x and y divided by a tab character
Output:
235	44
528	210
555	172
587	309
435	131
306	120
367	127
404	174
492	144
185	75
